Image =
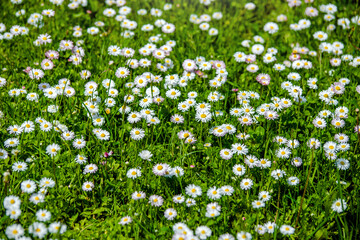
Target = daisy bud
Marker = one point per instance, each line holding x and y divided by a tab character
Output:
27	69
6	176
199	73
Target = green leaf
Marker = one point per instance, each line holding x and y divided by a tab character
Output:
259	131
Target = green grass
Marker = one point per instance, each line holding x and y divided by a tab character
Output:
96	214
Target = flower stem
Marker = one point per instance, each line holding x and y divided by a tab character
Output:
306	184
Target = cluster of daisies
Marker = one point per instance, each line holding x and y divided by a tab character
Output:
182	231
12	205
203	22
51	92
145	79
35	19
149	50
335	48
122	16
45	126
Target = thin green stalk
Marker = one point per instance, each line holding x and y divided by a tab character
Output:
306	184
